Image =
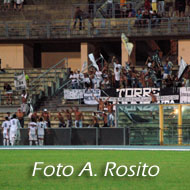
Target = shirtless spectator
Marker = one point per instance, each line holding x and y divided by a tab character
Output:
61	120
9	92
46	116
78	117
35	117
153	98
101	103
20	117
67	114
95	120
24	105
105	119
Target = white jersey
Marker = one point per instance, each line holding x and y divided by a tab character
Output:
41	128
15	125
6	126
32	128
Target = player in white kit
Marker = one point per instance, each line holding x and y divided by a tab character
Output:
14	130
41	131
32	127
5	127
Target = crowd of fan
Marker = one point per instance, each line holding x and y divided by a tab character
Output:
155	73
8	4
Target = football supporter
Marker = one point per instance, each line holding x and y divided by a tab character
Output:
69	118
41	125
5	129
78	117
46	116
95	120
61	120
9	93
32	132
78	16
101	103
20	117
111	118
24	105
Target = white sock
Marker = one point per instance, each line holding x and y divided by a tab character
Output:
30	143
42	142
4	142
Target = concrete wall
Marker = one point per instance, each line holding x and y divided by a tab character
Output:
28	56
183	50
51	58
12	55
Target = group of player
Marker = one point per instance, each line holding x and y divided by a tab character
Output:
11	131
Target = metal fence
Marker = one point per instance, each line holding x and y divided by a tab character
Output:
95	28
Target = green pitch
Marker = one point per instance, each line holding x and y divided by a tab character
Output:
16	168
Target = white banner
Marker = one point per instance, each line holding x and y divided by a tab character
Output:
20	81
73	94
88	96
185	95
182	68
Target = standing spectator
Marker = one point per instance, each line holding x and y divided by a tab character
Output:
24	105
147	5
46	116
161	8
91	8
35	116
95	120
69	117
180	7
1	70
78	118
101	103
117	72
61	120
105	119
146	18
109	8
9	92
20	117
166	70
78	16
18	4
73	79
7	4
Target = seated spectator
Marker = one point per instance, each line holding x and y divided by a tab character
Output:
123	10
155	19
9	93
138	21
146	18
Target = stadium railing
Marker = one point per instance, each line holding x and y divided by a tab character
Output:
44	86
94	28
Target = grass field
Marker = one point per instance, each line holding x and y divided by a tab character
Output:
16	168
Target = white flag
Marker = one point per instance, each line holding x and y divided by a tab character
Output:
92	59
182	68
84	66
128	46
